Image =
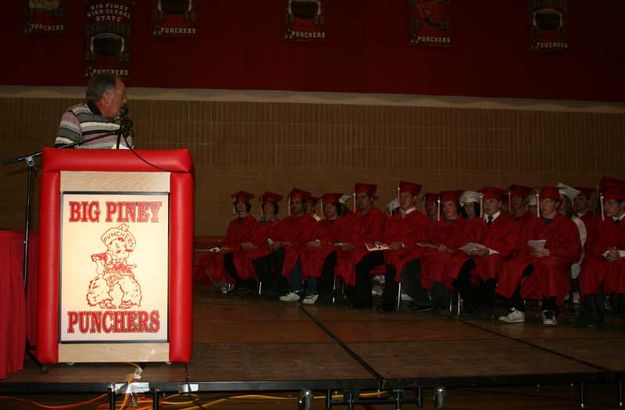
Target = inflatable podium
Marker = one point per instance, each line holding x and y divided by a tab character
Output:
115	265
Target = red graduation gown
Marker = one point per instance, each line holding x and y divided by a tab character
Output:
410	230
434	263
239	230
298	230
597	269
328	233
365	228
501	235
551	276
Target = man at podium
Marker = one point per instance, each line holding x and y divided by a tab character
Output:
102	121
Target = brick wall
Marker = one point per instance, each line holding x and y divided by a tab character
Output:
323	147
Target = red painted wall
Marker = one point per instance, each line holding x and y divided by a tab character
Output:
240	46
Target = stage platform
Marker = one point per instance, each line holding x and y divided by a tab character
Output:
247	344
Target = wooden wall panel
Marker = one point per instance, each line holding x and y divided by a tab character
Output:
328	147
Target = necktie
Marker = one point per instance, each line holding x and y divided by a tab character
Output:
617	221
489	220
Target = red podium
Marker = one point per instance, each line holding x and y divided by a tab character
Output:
115	261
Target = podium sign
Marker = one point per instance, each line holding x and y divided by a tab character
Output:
114	266
122	257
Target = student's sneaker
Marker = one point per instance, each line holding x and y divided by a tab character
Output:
513	316
289	297
549	318
310	299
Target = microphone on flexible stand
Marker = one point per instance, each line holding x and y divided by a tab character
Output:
125	124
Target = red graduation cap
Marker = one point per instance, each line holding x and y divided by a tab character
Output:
242	196
270	197
519	190
549	192
332	198
410	187
430	197
491	192
450	196
369	189
616	193
299	193
606	182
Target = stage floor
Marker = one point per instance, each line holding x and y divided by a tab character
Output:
248	344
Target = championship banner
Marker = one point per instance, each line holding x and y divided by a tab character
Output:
429	23
305	20
174	18
107	30
114	267
548	20
44	16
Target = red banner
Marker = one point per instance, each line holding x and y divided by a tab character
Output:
44	16
429	23
548	19
175	18
107	30
305	20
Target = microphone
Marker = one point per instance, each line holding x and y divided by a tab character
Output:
125	124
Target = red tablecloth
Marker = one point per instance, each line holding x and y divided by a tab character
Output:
13	310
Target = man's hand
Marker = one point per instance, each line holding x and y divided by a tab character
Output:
396	245
444	249
314	244
347	247
540	253
248	246
479	252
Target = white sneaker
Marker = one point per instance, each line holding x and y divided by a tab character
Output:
289	297
513	316
549	318
310	299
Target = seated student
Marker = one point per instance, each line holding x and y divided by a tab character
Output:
353	261
470	205
518	203
547	248
431	206
604	263
272	283
401	234
319	258
445	238
229	262
487	242
311	207
289	239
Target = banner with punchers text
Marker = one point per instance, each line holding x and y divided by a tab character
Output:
174	18
44	16
107	36
429	22
114	267
305	20
548	25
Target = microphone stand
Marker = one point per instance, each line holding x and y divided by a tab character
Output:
29	160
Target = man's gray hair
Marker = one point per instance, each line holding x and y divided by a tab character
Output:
99	84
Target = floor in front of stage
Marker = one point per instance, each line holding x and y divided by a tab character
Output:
245	346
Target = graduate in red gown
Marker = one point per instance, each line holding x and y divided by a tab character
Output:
354	262
290	238
518	204
230	262
547	248
271	282
401	234
319	258
445	237
604	264
475	269
431	206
